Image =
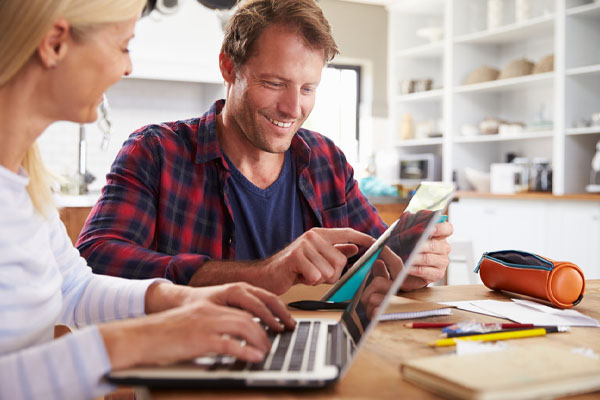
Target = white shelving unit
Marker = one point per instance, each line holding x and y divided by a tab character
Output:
562	100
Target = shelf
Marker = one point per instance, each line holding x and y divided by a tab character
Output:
586	70
535	27
429	95
419	142
518	83
504	138
587	10
528	196
430	50
584	131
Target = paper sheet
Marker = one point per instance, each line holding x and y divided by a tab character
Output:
526	312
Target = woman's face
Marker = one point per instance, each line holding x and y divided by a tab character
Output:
91	65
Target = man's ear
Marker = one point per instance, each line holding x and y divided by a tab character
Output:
53	45
227	68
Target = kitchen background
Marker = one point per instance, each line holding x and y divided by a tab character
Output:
501	96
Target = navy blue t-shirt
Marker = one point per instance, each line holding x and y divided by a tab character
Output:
266	220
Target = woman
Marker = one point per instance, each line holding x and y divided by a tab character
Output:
57	58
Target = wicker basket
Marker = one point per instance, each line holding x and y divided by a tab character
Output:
515	68
482	74
546	64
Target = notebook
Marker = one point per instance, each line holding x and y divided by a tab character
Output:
319	351
527	372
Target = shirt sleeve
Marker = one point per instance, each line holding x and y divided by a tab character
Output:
89	298
71	367
119	233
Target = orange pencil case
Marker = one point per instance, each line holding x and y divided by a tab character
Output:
560	282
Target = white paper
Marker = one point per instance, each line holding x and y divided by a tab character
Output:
526	312
469	305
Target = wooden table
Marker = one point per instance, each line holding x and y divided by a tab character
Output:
375	372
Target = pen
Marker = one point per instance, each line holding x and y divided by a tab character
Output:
427	325
490	337
444	325
549	329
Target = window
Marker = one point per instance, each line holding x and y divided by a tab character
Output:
336	113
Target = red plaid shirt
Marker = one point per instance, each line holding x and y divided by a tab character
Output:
164	210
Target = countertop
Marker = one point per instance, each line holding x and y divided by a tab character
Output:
529	196
82	200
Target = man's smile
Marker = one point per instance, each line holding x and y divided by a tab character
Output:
280	123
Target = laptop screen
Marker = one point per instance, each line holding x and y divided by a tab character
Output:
393	260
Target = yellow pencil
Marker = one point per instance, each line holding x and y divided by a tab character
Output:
488	337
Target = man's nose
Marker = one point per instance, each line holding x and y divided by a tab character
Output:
289	103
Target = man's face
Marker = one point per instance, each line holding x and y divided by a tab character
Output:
274	91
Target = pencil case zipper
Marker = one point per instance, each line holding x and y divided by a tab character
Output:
547	267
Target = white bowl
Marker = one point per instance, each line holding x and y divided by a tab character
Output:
479	180
431	33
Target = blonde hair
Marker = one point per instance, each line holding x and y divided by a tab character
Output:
23	23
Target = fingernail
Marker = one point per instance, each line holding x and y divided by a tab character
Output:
256	355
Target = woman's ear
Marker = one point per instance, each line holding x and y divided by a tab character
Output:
227	68
53	45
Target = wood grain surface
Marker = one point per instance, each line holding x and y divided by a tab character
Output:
375	373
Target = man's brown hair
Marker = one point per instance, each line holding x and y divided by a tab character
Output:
252	17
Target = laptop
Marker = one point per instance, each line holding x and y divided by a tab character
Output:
319	351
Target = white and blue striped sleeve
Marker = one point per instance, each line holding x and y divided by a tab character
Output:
90	298
71	367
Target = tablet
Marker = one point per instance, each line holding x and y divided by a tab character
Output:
432	196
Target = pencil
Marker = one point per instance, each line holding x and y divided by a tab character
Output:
489	337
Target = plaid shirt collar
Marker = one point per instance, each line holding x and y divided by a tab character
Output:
208	147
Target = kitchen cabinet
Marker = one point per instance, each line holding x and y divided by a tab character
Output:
180	47
561	229
74	218
554	105
389	209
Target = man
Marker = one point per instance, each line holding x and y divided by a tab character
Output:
243	193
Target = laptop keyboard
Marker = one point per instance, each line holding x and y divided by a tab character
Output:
290	351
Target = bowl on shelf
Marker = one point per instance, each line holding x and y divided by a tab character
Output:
431	33
480	181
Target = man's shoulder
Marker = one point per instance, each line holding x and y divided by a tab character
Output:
313	138
320	145
165	130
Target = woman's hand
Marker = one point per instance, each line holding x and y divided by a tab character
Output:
182	333
257	301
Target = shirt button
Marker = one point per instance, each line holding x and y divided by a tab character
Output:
229	241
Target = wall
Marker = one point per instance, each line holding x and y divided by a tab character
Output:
360	31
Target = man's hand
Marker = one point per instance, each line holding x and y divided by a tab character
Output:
316	257
430	265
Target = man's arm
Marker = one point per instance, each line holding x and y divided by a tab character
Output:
119	232
317	256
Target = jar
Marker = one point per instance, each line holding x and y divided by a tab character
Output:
541	175
522	174
495	14
523	10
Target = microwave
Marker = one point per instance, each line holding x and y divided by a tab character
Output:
414	168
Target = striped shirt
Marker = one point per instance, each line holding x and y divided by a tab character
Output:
43	282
